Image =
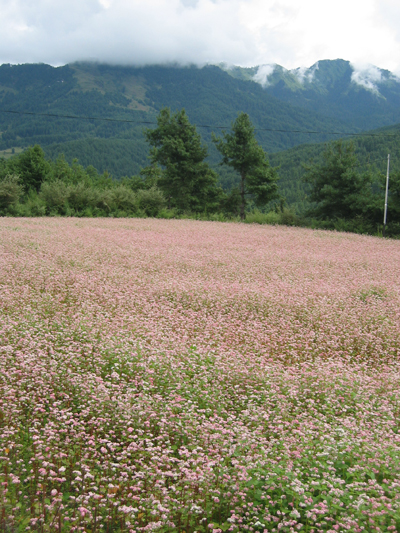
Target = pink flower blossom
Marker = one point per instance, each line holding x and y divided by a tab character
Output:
171	370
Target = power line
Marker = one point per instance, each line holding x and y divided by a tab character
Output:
368	163
152	123
54	115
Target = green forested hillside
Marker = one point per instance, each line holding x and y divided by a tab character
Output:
367	98
120	158
210	96
371	151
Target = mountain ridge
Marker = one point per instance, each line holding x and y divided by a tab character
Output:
211	96
367	97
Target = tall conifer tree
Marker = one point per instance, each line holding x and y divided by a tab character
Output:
241	151
187	181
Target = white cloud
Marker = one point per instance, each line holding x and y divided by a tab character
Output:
262	74
368	76
304	74
124	31
241	32
387	17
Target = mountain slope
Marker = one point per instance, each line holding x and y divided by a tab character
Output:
210	96
363	98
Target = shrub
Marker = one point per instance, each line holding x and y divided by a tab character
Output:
102	202
167	213
55	195
81	197
288	217
10	192
32	167
124	199
256	217
217	217
151	201
33	206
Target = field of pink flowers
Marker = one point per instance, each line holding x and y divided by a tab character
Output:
183	376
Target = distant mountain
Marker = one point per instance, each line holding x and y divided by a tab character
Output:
363	98
330	96
210	96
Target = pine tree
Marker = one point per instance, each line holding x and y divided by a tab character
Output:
186	180
241	151
337	188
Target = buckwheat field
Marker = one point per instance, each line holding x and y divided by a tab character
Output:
183	376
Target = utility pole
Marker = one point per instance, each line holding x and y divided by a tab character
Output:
386	195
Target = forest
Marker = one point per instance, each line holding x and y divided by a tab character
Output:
95	116
338	189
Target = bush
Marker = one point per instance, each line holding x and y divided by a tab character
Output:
102	202
10	192
256	217
217	217
151	201
33	206
167	213
32	167
288	217
81	197
124	199
355	225
55	196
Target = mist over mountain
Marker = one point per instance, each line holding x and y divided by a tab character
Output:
365	97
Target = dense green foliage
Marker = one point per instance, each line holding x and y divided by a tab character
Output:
337	186
345	201
10	192
119	157
177	182
394	198
340	192
337	189
241	151
334	89
371	151
32	186
210	96
187	180
31	167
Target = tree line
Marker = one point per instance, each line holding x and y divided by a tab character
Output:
178	181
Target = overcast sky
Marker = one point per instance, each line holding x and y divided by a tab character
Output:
292	33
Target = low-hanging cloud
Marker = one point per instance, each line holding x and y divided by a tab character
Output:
240	32
263	73
367	76
124	31
304	74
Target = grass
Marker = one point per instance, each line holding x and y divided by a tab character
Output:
9	152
